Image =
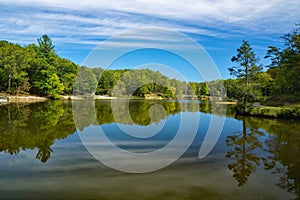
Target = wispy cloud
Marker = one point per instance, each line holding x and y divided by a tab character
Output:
92	20
76	27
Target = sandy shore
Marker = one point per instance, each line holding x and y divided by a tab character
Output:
226	102
103	97
31	98
79	98
26	99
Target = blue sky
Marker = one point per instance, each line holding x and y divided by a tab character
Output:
77	27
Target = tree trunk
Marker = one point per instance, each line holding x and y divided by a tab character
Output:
9	82
244	143
246	86
8	110
245	103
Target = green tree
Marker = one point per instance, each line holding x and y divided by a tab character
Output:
233	89
204	89
66	71
98	72
119	89
43	73
55	87
13	66
108	79
285	68
51	86
263	86
85	83
46	48
246	68
35	69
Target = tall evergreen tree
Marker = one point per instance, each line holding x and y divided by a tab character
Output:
246	68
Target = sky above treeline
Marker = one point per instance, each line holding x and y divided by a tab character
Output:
77	27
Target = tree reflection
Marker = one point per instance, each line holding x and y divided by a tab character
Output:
245	160
205	107
44	153
283	147
139	111
38	125
34	126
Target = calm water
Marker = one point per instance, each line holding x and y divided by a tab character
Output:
42	156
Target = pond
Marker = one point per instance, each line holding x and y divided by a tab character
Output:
87	150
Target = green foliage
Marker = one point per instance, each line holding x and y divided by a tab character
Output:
67	72
13	66
35	69
285	68
233	88
46	48
289	112
137	83
246	69
246	60
86	82
204	90
279	85
107	80
54	87
38	70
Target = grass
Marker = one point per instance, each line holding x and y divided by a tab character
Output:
289	112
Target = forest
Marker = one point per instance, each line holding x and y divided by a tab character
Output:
37	69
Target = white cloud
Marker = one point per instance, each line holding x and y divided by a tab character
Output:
221	10
90	20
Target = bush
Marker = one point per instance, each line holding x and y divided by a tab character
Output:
289	112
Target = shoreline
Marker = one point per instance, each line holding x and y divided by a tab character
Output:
280	112
67	97
26	99
33	98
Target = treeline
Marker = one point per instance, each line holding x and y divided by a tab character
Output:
142	82
279	85
37	69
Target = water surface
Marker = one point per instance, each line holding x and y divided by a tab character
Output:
42	156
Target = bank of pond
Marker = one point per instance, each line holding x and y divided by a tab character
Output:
284	112
253	108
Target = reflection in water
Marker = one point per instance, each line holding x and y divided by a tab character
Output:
283	147
269	147
29	126
34	126
102	112
243	153
281	151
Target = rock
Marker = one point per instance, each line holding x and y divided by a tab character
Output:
256	105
